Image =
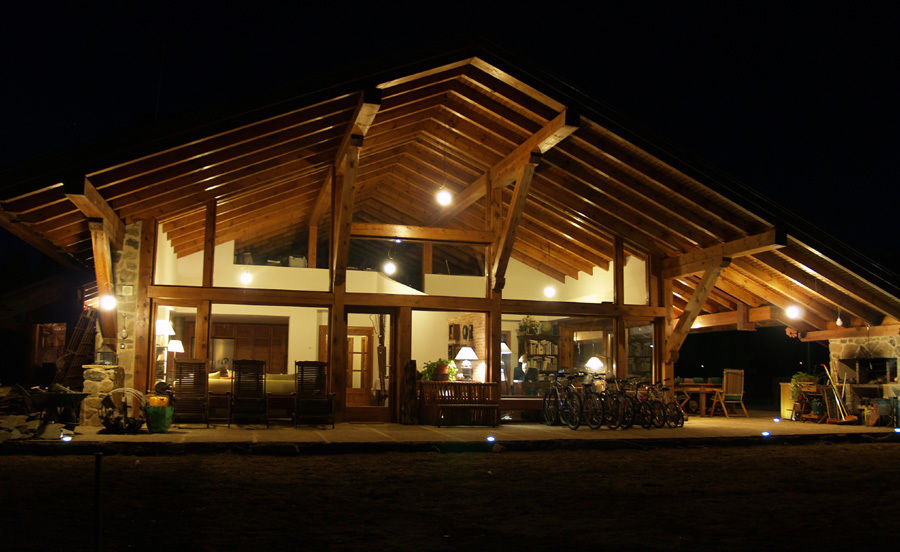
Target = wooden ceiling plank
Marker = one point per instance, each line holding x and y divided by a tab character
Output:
771	296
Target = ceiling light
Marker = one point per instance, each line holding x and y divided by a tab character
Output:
549	291
246	278
444	197
793	312
838	321
389	267
107	303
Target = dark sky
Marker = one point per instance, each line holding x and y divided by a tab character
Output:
797	102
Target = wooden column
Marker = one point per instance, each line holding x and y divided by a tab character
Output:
619	272
143	350
427	261
494	360
337	350
103	273
209	244
621	351
402	355
201	330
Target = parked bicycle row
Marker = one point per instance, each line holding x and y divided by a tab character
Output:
614	403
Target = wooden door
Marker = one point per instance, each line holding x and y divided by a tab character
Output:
359	366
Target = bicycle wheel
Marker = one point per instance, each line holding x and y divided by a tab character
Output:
628	411
658	409
614	411
674	415
551	406
571	411
645	415
593	410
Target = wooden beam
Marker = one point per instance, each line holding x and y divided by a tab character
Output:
209	245
427	260
563	308
201	330
858	331
103	272
343	190
315	218
619	271
23	230
89	201
242	296
419	233
696	261
564	124
507	236
692	310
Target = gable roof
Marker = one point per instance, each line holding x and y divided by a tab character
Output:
450	120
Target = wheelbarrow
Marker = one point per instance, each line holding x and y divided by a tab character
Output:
54	406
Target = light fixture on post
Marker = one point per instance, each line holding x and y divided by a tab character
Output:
466	355
107	302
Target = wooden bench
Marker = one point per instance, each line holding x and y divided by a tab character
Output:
459	403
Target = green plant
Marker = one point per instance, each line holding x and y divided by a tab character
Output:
797	379
529	325
427	373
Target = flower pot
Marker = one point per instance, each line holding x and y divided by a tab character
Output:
442	372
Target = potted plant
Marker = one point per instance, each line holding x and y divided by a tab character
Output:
439	370
801	382
529	325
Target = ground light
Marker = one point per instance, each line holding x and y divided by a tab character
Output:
766	434
490	439
65	438
776	420
897	430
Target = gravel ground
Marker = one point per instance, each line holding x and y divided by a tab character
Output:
778	497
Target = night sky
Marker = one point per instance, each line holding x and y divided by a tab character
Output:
797	102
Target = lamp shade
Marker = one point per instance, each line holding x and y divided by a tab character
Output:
466	353
175	346
164	327
504	349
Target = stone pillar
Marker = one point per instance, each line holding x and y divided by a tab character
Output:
125	275
99	380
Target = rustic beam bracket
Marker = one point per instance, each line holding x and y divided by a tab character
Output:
696	261
88	200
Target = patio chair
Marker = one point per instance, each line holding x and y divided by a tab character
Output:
248	390
732	392
190	391
313	401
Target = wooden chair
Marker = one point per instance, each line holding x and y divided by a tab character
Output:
190	391
313	401
248	390
732	392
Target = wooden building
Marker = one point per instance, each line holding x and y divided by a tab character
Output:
259	229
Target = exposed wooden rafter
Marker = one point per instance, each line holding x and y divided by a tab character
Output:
507	237
692	309
82	193
696	261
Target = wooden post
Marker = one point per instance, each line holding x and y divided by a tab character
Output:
337	350
103	273
619	272
201	330
402	355
427	261
143	351
621	351
209	244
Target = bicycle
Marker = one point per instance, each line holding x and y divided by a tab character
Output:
674	415
619	410
562	403
593	404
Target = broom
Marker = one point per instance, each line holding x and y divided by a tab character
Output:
845	418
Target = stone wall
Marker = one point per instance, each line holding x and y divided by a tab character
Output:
99	380
887	346
125	276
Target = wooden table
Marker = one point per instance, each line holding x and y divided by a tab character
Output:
701	389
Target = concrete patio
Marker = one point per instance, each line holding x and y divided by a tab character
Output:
378	437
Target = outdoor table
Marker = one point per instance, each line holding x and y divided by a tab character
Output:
700	389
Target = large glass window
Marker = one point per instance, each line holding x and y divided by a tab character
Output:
179	251
459	337
639	339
